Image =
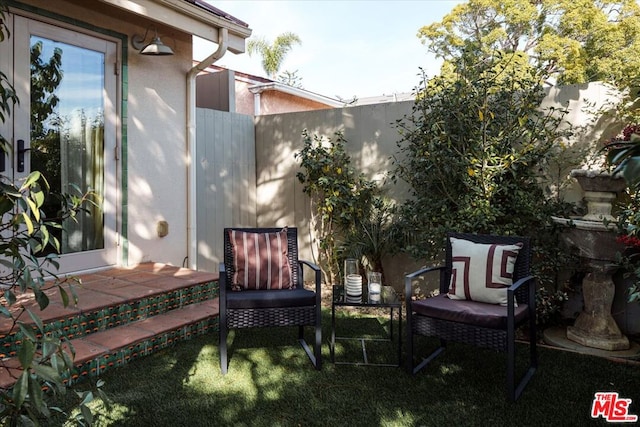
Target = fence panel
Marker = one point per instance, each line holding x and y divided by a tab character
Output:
225	179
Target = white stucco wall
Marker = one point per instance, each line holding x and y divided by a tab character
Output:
157	157
154	125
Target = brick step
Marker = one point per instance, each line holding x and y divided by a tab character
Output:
100	351
112	298
122	314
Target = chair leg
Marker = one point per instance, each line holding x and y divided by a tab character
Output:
223	350
409	325
433	355
313	356
511	367
318	346
513	391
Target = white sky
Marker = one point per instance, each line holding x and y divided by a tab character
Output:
349	48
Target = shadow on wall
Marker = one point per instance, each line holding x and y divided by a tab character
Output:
371	138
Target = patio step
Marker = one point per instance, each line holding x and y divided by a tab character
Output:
122	314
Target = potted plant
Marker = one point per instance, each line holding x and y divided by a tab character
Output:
372	236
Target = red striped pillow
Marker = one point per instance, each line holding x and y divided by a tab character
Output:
260	260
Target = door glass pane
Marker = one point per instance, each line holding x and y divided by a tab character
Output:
67	133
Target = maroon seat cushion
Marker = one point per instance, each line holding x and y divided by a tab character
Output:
470	312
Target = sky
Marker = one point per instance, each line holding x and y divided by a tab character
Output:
349	48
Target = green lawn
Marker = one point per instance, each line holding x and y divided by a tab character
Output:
272	383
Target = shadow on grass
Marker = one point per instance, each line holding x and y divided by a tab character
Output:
271	382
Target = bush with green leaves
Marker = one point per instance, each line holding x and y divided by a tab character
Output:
340	197
472	152
45	357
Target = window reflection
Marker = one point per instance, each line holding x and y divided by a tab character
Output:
67	133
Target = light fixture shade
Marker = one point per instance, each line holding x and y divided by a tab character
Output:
156	47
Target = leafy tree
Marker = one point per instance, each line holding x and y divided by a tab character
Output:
576	41
471	152
273	54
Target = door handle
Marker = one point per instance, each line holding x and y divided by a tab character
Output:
21	152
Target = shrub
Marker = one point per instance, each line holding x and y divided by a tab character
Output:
472	151
340	197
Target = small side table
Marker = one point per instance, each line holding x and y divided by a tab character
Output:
388	300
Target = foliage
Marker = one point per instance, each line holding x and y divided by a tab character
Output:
273	54
291	79
25	262
471	152
548	307
628	261
7	94
340	197
45	357
624	153
576	41
372	235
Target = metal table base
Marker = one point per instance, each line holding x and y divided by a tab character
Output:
389	300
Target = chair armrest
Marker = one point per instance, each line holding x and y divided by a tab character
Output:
222	287
222	277
409	277
525	281
530	283
317	272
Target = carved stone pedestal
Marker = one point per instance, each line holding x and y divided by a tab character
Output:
595	326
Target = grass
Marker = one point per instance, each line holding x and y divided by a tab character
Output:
271	382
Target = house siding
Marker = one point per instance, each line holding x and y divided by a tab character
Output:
153	159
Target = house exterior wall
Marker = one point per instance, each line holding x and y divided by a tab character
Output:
274	102
216	91
244	98
271	101
153	159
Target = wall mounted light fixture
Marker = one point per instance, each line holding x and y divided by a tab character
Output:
155	47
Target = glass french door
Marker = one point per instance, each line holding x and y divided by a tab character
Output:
65	127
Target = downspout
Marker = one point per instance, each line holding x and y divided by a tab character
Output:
192	238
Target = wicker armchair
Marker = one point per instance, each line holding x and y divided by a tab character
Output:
268	307
477	323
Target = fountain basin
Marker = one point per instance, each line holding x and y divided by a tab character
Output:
593	239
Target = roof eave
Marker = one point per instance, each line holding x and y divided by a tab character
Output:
187	17
258	88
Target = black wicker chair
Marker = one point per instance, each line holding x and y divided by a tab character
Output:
480	324
265	308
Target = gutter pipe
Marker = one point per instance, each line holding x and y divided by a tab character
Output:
192	238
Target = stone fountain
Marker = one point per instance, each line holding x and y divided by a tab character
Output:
595	327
